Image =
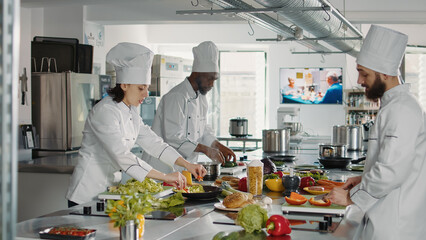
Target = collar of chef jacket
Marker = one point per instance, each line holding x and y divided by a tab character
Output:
391	93
191	93
124	108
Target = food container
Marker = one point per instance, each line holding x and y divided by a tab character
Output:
238	127
327	150
213	170
67	233
255	177
276	140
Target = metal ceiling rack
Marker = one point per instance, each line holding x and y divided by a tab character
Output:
316	17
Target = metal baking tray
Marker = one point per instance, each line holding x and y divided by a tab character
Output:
46	234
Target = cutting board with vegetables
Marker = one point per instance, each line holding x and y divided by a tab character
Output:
309	208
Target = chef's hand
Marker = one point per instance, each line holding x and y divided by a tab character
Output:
176	179
351	182
339	196
213	153
196	170
227	152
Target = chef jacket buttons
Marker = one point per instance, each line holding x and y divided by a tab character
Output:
189	133
130	119
87	210
189	117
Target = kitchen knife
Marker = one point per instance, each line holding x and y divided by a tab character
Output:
320	197
164	193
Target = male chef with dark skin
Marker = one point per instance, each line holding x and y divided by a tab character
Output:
389	200
181	118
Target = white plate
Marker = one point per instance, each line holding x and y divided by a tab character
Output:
220	206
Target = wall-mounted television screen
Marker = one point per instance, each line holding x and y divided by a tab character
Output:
311	85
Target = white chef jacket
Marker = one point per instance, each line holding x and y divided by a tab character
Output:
110	132
181	120
392	193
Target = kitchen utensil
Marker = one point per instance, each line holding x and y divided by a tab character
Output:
49	233
238	127
332	150
295	127
276	140
210	192
213	170
291	183
309	208
320	197
349	135
341	162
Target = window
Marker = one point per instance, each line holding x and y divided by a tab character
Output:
241	89
415	73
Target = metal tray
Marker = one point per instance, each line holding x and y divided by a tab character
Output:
44	234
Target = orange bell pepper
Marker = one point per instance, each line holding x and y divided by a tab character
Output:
322	203
295	199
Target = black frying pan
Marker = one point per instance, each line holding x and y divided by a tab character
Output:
282	158
335	162
210	192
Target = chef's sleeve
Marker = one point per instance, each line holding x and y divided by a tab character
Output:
155	146
398	130
105	122
208	136
173	123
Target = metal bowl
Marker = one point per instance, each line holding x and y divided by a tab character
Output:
296	127
213	170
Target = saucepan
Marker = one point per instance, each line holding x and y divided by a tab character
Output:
296	127
213	170
327	150
276	140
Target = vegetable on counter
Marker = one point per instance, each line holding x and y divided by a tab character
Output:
268	166
240	235
229	164
317	174
306	182
242	184
252	218
321	202
134	186
279	173
278	225
295	199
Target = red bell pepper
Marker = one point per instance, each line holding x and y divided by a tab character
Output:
278	225
279	173
166	184
322	203
242	184
306	182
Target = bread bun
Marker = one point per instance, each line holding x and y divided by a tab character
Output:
235	200
250	201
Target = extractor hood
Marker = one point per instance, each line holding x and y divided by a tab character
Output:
328	30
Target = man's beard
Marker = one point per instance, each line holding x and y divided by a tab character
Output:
376	90
203	90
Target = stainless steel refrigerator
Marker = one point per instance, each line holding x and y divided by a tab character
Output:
60	105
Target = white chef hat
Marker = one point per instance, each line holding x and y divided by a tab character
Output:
206	57
132	63
382	50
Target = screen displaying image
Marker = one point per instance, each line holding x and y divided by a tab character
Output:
311	85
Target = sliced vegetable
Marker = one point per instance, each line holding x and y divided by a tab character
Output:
306	182
316	190
295	199
278	225
321	202
325	182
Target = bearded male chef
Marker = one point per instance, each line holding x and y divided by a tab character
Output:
390	197
181	118
114	126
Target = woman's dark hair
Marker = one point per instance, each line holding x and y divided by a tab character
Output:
116	93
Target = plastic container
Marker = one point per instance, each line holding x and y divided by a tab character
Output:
255	177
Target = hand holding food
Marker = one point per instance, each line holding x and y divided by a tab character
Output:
176	179
197	170
340	196
352	182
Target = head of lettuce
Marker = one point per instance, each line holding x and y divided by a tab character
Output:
252	218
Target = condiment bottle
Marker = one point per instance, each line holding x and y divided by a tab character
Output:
255	177
291	183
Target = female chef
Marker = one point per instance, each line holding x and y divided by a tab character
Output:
114	126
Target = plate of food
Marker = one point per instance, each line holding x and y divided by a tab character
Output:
67	233
222	207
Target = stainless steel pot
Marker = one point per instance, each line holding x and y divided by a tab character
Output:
327	150
276	140
349	135
296	127
213	170
238	127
